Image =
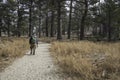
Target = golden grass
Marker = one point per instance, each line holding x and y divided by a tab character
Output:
88	60
11	48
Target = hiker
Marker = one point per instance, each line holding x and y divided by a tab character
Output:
32	42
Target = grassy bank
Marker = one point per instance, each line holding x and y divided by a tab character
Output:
11	48
87	60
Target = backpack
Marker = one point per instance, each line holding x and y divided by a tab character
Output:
32	40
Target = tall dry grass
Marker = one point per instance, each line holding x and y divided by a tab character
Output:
11	48
88	60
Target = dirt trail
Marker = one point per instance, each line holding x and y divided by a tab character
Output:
33	67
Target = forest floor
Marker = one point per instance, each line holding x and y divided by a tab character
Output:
34	67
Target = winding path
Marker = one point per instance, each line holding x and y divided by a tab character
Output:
33	67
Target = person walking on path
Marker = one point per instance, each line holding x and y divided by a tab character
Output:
32	42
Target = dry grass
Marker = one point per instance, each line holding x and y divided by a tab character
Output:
11	48
87	60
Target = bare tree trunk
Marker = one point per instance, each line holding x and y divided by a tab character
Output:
18	21
100	30
46	24
0	32
0	27
83	21
78	29
30	18
100	25
52	21
39	31
59	36
52	25
63	29
8	30
109	25
69	24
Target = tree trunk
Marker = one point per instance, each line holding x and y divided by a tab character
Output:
63	29
52	21
39	31
69	24
46	24
52	24
59	36
109	25
0	27
100	30
78	29
8	30
104	30
18	21
0	32
83	21
30	18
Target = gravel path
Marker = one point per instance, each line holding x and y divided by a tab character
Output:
33	67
